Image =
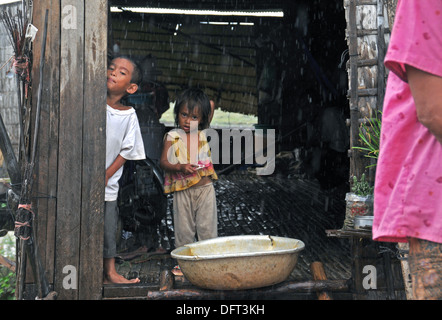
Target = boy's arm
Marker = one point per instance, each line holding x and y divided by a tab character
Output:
117	164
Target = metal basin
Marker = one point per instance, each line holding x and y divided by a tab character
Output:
363	222
238	262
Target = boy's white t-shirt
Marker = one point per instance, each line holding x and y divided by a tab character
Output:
123	137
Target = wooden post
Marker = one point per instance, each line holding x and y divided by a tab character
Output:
94	159
70	148
69	191
356	247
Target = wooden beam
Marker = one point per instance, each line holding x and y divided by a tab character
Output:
284	288
70	176
150	292
94	142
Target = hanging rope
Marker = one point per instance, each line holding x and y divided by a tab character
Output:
23	226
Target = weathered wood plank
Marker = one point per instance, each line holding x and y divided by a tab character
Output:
283	288
45	190
149	292
70	146
368	29
94	150
129	291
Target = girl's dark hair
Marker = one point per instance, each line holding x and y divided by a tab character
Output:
194	98
137	75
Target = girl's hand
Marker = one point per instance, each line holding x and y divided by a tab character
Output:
188	168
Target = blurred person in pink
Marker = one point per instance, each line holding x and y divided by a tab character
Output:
408	184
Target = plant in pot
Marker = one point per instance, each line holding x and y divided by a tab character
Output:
370	136
359	202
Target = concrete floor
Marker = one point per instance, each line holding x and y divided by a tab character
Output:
264	205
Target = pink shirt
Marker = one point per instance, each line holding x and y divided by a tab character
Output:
408	189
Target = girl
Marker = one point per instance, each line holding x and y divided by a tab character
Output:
189	169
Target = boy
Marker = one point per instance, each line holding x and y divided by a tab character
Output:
123	142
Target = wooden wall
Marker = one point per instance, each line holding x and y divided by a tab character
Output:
368	34
69	194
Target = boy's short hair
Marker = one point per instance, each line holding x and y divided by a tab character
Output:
194	98
137	74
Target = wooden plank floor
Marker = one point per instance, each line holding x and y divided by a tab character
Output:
270	205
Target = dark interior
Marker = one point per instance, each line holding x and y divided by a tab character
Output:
290	72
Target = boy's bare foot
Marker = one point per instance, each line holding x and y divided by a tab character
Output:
112	276
117	279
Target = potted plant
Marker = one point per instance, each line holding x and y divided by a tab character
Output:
359	202
370	134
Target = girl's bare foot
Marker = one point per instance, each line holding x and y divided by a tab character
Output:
177	271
